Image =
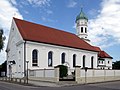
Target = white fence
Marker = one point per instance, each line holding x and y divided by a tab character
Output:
96	75
3	74
91	76
99	73
42	73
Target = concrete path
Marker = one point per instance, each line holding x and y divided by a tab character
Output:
42	83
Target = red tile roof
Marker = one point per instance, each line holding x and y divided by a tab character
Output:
97	48
102	54
39	33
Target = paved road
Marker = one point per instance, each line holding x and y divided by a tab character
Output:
99	86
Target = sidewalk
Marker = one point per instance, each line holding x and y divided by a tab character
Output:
51	84
39	83
42	83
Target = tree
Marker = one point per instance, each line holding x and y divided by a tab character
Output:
2	38
3	67
116	65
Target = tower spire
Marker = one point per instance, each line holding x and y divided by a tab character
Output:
81	6
82	25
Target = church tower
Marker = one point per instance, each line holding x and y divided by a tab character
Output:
82	26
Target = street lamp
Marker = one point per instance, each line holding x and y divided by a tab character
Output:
10	67
27	71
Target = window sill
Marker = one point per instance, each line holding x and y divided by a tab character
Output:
35	66
50	66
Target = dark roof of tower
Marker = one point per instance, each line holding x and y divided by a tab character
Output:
81	16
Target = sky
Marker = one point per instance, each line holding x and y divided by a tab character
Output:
103	15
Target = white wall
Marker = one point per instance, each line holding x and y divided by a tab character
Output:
81	23
108	65
15	52
105	63
43	50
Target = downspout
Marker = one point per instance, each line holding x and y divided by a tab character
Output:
25	59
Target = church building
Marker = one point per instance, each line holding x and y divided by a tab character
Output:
42	47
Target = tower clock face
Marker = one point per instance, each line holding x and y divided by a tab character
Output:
81	22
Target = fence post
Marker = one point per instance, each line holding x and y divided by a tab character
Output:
24	80
11	79
44	72
20	80
77	74
5	78
114	74
15	79
104	74
93	76
86	68
56	74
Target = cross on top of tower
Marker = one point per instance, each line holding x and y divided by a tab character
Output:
81	15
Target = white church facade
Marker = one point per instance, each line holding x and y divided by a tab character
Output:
44	48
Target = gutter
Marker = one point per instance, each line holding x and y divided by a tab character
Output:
24	58
62	45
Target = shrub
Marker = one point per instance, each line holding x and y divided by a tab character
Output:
63	70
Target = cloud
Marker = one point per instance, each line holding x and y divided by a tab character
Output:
7	11
49	12
71	4
13	2
26	12
93	13
48	19
44	8
104	30
39	3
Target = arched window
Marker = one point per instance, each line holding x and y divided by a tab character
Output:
84	61
63	58
81	29
34	57
102	62
50	58
92	58
85	30
74	60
